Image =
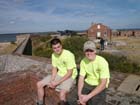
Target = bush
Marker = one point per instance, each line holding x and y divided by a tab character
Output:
43	52
45	38
75	45
120	63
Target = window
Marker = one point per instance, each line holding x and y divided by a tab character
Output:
105	34
98	26
98	34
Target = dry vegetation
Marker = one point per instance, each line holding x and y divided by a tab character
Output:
6	48
131	49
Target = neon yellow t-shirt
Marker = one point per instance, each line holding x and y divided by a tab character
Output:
64	62
94	70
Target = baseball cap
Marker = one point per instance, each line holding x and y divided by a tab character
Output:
89	45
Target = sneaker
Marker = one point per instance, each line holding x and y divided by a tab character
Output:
39	104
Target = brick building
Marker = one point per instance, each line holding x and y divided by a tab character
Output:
99	30
126	32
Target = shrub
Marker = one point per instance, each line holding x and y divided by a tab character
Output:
45	38
40	51
75	45
120	63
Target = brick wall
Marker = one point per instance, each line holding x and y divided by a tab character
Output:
127	32
105	31
20	89
14	89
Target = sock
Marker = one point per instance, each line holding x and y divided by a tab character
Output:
40	102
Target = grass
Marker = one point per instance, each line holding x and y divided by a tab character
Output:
132	48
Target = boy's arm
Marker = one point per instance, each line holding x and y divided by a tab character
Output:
80	84
54	72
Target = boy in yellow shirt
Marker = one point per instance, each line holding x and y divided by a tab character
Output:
63	74
94	77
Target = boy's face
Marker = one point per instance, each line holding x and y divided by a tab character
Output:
90	54
57	48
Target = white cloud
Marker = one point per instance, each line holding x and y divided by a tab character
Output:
12	22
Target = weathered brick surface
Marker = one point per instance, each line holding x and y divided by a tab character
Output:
51	97
13	89
20	89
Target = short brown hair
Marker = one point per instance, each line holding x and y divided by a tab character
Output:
55	41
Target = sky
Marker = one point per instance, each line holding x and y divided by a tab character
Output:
19	16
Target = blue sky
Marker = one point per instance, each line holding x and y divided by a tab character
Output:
53	15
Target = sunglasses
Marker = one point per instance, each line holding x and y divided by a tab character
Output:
89	50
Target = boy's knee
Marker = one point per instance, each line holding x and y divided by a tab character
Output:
39	84
63	94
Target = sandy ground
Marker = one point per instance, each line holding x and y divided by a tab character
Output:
4	45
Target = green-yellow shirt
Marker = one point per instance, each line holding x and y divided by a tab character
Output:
64	62
94	70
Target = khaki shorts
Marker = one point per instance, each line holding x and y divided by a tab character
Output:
66	85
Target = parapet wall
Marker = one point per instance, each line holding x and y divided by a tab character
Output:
20	89
15	89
